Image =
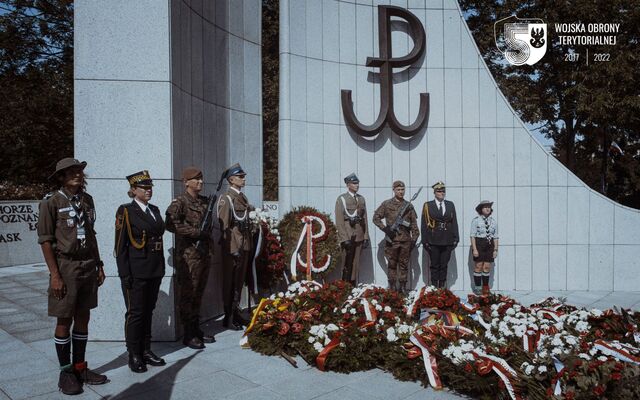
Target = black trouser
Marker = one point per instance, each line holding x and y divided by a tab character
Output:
233	278
439	256
140	300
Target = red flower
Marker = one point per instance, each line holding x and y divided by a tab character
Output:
296	328
616	376
570	395
468	368
549	392
283	329
599	390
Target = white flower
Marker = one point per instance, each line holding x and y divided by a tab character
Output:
387	309
511	311
252	214
542	368
311	339
381	321
596	313
318	347
332	327
327	340
602	358
584	356
352	311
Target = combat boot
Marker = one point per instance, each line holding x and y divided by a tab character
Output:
68	383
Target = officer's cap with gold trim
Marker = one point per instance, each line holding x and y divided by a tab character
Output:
438	186
398	184
140	179
234	170
191	173
352	178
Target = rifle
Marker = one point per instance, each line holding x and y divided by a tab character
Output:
206	225
400	218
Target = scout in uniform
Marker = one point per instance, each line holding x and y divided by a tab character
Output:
439	233
68	242
399	241
233	212
352	227
140	258
484	244
192	254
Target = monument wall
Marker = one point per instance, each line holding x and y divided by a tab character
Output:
555	232
160	85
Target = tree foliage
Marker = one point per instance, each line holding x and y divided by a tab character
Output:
270	91
36	76
583	108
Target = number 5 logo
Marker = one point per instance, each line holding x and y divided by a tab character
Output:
522	41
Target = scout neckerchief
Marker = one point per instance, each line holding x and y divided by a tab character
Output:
344	204
77	214
487	226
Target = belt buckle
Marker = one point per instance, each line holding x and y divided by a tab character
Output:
157	246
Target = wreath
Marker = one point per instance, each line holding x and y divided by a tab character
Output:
323	247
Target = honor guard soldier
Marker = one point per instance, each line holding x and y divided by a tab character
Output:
233	212
68	242
140	258
439	233
401	230
192	254
352	227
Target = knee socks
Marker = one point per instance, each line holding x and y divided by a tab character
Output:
477	278
79	340
63	349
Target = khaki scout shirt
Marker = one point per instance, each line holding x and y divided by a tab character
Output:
356	207
184	217
389	210
233	211
58	223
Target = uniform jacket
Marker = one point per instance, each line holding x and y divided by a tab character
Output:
184	217
357	207
138	244
389	210
58	223
233	212
439	229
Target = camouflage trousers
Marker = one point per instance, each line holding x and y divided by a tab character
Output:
192	273
397	255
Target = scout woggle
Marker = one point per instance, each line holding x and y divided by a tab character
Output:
307	232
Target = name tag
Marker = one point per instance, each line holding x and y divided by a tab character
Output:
65	209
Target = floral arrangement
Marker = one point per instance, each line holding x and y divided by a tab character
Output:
270	262
487	347
305	230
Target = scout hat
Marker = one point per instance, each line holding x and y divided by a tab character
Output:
234	170
191	173
438	186
67	163
398	184
140	179
352	178
483	204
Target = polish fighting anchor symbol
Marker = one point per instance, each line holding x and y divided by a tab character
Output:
386	62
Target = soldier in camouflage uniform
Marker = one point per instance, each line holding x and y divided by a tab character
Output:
399	243
352	228
68	242
184	217
233	212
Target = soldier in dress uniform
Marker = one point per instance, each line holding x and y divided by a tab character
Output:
184	218
352	227
233	212
400	237
68	242
439	233
140	258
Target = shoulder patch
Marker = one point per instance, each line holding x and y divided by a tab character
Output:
48	196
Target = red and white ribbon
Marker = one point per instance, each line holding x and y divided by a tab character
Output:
623	354
295	256
557	391
430	364
478	317
530	340
369	310
412	307
502	369
470	308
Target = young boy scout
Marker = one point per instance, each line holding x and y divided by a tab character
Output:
70	249
184	218
400	238
233	212
439	233
352	228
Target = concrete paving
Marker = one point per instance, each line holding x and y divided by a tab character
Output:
221	371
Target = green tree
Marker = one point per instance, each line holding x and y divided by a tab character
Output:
36	76
583	108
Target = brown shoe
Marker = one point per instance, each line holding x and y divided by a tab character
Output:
193	343
68	383
89	377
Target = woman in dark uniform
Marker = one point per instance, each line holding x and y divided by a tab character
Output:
140	258
484	244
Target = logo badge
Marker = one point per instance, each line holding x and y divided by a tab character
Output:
522	41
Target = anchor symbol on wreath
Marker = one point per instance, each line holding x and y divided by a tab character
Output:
307	233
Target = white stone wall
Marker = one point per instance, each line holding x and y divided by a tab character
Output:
159	85
555	232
